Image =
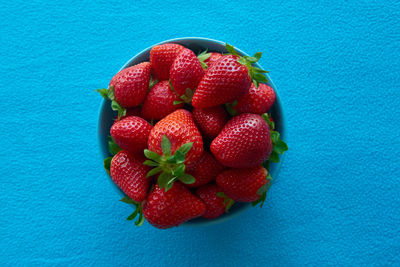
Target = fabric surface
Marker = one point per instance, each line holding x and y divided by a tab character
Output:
336	67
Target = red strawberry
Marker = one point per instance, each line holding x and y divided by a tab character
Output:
131	84
224	82
244	142
129	173
159	102
215	204
213	57
167	209
186	72
210	120
131	133
257	100
245	185
228	79
162	57
180	129
205	170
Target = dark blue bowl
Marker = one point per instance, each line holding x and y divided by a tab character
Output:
197	44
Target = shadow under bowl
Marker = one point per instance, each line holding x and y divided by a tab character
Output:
197	45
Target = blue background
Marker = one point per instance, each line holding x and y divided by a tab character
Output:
336	67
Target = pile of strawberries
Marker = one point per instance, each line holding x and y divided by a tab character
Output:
192	135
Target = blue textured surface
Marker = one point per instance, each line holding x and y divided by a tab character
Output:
336	66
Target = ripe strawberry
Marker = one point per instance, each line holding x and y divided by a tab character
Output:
131	84
159	102
129	173
186	72
180	129
244	142
210	120
257	100
162	57
224	82
167	209
229	78
216	204
205	170
213	58
131	133
245	185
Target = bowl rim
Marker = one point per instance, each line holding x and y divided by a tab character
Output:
283	132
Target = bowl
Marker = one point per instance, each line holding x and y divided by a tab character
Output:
197	44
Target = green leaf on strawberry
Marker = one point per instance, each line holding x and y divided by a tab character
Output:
103	92
256	74
187	179
153	171
107	164
113	147
109	94
152	82
262	191
230	108
170	166
138	211
166	145
278	147
267	118
186	98
228	202
203	56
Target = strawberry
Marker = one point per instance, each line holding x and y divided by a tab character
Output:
175	144
159	102
210	120
216	201
131	133
186	73
244	185
244	142
211	60
129	173
257	100
131	84
180	129
167	209
228	79
205	170
162	57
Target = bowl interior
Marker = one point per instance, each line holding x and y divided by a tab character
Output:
198	45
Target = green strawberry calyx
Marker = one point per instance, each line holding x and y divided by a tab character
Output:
170	167
152	82
109	94
230	108
256	74
113	148
228	202
138	210
203	56
262	191
278	147
186	98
